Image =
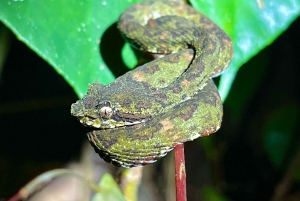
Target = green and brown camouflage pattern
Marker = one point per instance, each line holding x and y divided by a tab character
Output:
143	114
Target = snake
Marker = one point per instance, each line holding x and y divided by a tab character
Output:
146	112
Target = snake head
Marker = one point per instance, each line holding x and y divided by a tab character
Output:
105	107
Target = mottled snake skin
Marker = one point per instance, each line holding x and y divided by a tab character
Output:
143	114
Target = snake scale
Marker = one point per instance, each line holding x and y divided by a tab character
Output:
145	113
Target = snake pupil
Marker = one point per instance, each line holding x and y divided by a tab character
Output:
106	112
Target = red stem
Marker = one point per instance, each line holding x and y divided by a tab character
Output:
15	197
180	175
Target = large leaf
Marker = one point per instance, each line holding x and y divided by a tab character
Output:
252	25
67	34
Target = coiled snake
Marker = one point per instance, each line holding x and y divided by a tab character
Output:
143	114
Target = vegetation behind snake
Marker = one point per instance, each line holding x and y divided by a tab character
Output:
143	114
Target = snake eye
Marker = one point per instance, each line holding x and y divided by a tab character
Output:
106	112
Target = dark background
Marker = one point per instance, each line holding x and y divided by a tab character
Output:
256	148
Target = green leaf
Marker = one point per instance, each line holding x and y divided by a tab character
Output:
66	34
296	176
279	134
209	147
211	194
109	190
252	25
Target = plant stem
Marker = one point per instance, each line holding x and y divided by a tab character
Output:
42	180
285	184
129	183
15	197
180	175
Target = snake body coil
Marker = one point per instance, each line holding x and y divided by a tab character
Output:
149	110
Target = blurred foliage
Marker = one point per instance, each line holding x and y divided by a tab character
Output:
211	194
279	132
109	190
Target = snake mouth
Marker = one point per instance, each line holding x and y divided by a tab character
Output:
106	117
108	123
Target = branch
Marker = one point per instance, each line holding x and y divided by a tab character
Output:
180	175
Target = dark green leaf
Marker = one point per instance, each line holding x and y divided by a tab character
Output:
211	194
280	133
